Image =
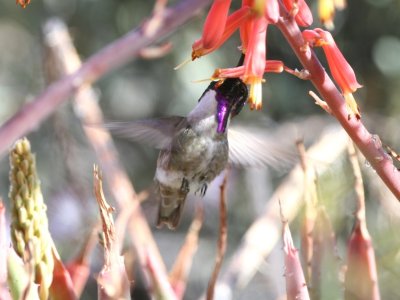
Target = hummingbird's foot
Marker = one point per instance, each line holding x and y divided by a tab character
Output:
185	186
203	189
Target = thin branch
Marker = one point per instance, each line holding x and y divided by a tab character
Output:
222	239
308	222
180	270
109	58
112	280
372	151
358	183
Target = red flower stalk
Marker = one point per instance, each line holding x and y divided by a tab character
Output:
341	70
300	10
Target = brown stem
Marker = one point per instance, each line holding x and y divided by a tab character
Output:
366	142
223	234
109	58
178	276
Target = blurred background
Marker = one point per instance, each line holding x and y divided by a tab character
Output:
368	33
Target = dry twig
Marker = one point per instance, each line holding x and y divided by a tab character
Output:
310	201
180	270
112	280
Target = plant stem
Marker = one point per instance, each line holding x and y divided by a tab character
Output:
368	144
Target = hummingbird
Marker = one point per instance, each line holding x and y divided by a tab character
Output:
196	148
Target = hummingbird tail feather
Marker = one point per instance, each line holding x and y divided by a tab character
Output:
171	206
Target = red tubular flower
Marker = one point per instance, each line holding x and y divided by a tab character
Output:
245	27
274	66
300	10
271	66
254	62
215	23
272	11
233	22
341	70
267	8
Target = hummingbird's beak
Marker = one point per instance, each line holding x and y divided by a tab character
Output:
231	95
223	112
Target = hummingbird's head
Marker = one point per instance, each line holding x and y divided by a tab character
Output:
231	95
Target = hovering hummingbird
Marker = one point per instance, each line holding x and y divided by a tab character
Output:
196	148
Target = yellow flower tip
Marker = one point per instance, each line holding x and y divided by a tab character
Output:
255	95
326	10
320	43
216	75
352	106
328	24
340	4
255	105
258	7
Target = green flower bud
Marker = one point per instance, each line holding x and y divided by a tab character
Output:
29	225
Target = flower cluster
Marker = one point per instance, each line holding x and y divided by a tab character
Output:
341	70
252	20
29	226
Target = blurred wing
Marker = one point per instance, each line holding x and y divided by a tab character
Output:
157	133
251	147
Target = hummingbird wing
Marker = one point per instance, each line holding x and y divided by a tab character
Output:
157	133
251	147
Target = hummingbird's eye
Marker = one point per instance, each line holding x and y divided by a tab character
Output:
236	109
